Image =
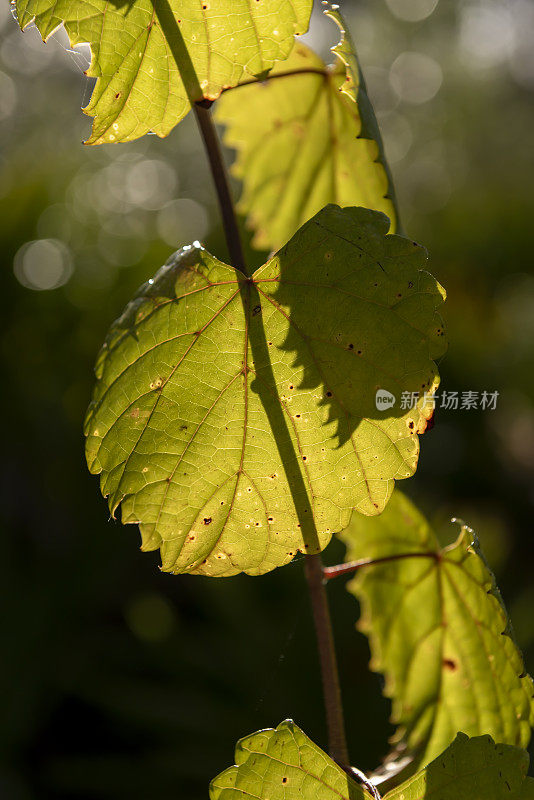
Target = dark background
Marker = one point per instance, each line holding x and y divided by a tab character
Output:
122	682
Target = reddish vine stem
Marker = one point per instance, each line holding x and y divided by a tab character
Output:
219	173
292	73
353	566
313	563
337	740
364	780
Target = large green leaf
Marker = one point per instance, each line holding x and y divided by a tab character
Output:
439	632
235	418
471	769
304	140
151	57
283	764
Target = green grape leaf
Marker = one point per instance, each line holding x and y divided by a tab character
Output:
151	58
235	419
283	763
527	790
304	138
470	769
439	632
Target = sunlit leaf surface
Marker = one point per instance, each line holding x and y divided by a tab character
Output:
471	769
304	140
152	56
439	632
236	420
283	763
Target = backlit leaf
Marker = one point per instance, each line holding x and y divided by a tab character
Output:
284	764
150	57
439	632
235	419
470	769
306	140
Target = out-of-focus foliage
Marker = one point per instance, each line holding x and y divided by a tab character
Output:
153	59
103	697
439	633
235	420
306	138
285	763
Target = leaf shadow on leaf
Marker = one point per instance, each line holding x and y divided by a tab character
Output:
342	326
476	767
266	388
164	16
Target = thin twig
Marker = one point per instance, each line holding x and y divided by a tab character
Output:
353	566
337	740
171	30
220	178
313	564
290	73
364	780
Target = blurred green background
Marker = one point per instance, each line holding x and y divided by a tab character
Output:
122	682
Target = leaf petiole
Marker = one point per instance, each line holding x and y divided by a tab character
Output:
352	566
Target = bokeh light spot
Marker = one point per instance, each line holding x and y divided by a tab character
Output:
8	96
415	77
412	10
182	221
487	34
43	264
150	617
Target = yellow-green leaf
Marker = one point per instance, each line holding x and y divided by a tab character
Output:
235	419
439	632
283	764
470	769
152	57
304	138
